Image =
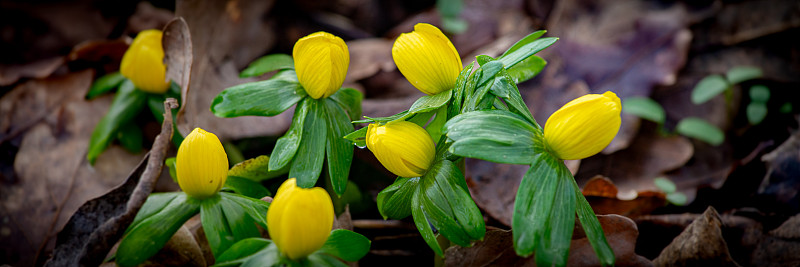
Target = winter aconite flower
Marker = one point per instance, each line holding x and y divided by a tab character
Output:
403	147
143	63
202	165
584	126
300	220
427	59
321	60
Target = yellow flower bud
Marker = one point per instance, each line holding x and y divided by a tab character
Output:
427	59
404	148
201	164
321	60
143	63
299	220
584	126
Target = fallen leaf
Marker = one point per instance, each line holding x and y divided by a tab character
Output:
92	231
54	124
9	74
780	246
497	248
605	198
181	250
781	185
701	243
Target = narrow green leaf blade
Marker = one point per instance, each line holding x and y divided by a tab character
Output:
346	245
256	169
287	145
338	151
246	187
421	221
130	137
125	106
508	91
453	186
215	225
264	98
524	41
307	163
266	64
645	108
269	256
494	135
527	69
173	172
430	102
533	204
394	201
241	224
149	236
358	137
708	88
255	208
743	73
243	249
591	226
553	247
698	128
322	260
105	84
525	51
350	100
154	204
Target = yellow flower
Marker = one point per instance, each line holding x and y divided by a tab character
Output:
201	164
584	126
321	60
427	59
404	148
299	219
143	63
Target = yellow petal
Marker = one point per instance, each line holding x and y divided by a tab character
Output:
143	63
300	220
427	59
321	60
201	164
584	126
404	148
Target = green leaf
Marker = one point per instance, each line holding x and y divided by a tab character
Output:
665	184
534	203
524	41
215	225
430	102
421	221
527	69
256	169
449	8
786	108
700	129
266	64
483	59
553	247
105	84
494	135
394	201
509	92
288	75
338	151
382	120
708	88
478	99
287	145
246	187
173	173
319	259
759	93
130	137
269	256
350	100
458	92
591	226
743	73
156	104
440	213
242	250
307	163
358	137
525	51
235	155
264	98
644	108
242	225
677	198
125	106
434	128
346	245
454	25
756	112
451	183
154	204
147	237
255	208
